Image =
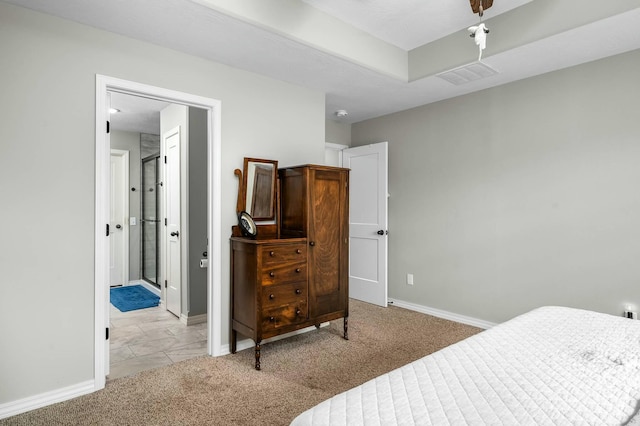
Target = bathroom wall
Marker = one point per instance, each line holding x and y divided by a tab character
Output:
197	283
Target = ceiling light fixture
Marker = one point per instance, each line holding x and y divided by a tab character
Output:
479	32
479	6
113	110
341	113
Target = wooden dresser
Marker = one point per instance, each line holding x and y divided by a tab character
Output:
297	276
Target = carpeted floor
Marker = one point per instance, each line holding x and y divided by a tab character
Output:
296	374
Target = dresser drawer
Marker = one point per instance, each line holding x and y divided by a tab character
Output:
283	273
285	294
283	316
284	253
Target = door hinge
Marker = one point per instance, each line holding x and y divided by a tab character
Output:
165	283
107	229
165	221
107	334
165	159
108	126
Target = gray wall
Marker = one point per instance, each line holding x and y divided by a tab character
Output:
518	196
196	299
337	132
130	141
47	176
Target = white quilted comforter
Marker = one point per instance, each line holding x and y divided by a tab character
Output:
551	366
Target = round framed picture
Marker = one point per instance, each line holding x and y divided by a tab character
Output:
247	225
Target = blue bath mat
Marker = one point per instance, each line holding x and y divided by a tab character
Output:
132	297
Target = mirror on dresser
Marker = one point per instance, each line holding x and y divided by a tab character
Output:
257	189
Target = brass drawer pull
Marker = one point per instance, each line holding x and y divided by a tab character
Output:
298	251
271	296
298	312
271	274
298	291
298	270
312	243
272	253
272	319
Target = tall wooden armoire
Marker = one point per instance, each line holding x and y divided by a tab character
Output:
298	276
315	205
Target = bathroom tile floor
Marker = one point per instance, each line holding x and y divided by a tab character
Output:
150	338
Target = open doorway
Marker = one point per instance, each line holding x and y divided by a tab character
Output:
157	252
208	111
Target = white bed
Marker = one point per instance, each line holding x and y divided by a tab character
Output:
551	366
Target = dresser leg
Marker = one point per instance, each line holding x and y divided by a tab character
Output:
258	356
234	338
346	327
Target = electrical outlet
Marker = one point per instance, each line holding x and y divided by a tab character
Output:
630	312
409	279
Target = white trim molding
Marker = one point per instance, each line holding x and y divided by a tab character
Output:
14	408
193	319
451	316
104	86
335	148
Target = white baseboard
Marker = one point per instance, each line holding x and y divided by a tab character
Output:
38	401
248	343
443	314
193	319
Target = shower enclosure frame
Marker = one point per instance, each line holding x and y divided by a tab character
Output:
146	221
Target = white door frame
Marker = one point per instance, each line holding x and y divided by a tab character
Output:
125	219
105	84
337	148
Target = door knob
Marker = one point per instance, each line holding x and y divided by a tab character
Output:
381	232
118	226
175	234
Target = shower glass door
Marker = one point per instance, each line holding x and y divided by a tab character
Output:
150	220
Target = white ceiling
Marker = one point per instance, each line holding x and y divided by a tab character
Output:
370	57
409	23
136	114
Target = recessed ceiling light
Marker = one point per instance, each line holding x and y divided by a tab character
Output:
113	110
341	113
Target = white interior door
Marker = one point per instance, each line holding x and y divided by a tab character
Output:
173	221
368	191
118	224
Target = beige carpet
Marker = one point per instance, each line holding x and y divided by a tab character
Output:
296	374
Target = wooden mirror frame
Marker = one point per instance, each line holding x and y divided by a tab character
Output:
256	170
